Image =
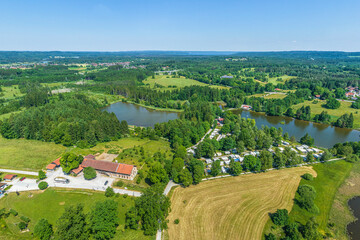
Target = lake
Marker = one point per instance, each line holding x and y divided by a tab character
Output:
354	227
140	116
324	135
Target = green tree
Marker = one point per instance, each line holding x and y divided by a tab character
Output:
89	173
310	157
132	218
215	168
185	177
281	217
235	168
251	163
70	161
43	229
157	174
310	230
109	192
153	208
43	185
332	103
266	160
41	175
104	220
352	158
307	139
72	224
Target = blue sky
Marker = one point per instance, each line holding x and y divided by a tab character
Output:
222	25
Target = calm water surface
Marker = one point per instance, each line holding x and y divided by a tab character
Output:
140	116
324	135
354	227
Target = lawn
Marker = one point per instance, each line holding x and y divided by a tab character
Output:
51	204
24	154
234	207
284	78
168	81
317	108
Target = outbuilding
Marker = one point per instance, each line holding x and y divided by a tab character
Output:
9	177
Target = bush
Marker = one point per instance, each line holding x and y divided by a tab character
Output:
22	226
109	192
43	185
281	217
307	196
119	183
43	230
42	175
89	173
176	221
352	158
25	219
13	212
308	176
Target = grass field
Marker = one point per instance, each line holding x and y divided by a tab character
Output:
179	82
317	108
234	207
340	214
10	92
51	204
329	177
284	78
24	154
277	96
150	146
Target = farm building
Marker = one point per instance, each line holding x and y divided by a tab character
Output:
9	177
112	169
78	170
52	166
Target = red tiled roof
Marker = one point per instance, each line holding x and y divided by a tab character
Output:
125	169
108	166
57	161
9	177
77	170
51	166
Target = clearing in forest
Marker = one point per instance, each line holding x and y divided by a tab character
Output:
234	207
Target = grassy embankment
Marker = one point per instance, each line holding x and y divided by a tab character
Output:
329	177
50	204
317	108
340	213
234	207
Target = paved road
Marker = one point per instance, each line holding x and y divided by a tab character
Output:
19	172
166	192
202	139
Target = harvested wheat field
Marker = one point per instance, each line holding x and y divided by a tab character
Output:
234	207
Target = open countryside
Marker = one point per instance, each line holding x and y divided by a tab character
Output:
180	120
232	208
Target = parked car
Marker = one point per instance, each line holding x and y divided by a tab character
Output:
22	179
106	182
